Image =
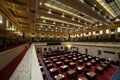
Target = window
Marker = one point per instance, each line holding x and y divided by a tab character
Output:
118	29
90	33
107	31
84	34
81	34
13	28
93	32
0	19
7	23
101	32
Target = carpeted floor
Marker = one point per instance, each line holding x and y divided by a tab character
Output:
107	74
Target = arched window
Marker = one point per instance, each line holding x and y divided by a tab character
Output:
7	23
1	19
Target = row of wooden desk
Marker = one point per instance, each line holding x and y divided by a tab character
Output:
67	63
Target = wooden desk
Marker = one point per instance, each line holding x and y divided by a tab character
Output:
89	57
99	70
69	57
66	55
85	59
55	60
47	62
52	58
93	62
74	55
80	62
82	78
74	59
80	69
105	66
91	75
58	63
66	62
71	73
97	60
54	71
58	57
83	55
49	66
64	68
72	65
79	57
59	77
44	59
88	65
62	59
108	63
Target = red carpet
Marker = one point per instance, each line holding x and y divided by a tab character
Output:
7	71
107	74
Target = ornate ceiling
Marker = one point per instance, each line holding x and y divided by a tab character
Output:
61	15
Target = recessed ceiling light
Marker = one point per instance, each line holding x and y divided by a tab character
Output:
41	26
67	25
79	21
49	11
49	27
52	30
94	5
100	24
96	24
73	18
40	3
117	19
46	29
99	12
62	24
90	25
54	23
100	9
93	8
63	15
44	21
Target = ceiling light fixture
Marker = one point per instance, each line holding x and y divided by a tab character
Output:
63	15
44	21
78	20
62	24
49	27
100	24
68	25
40	3
117	20
46	29
54	23
73	19
41	26
49	11
61	21
65	11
